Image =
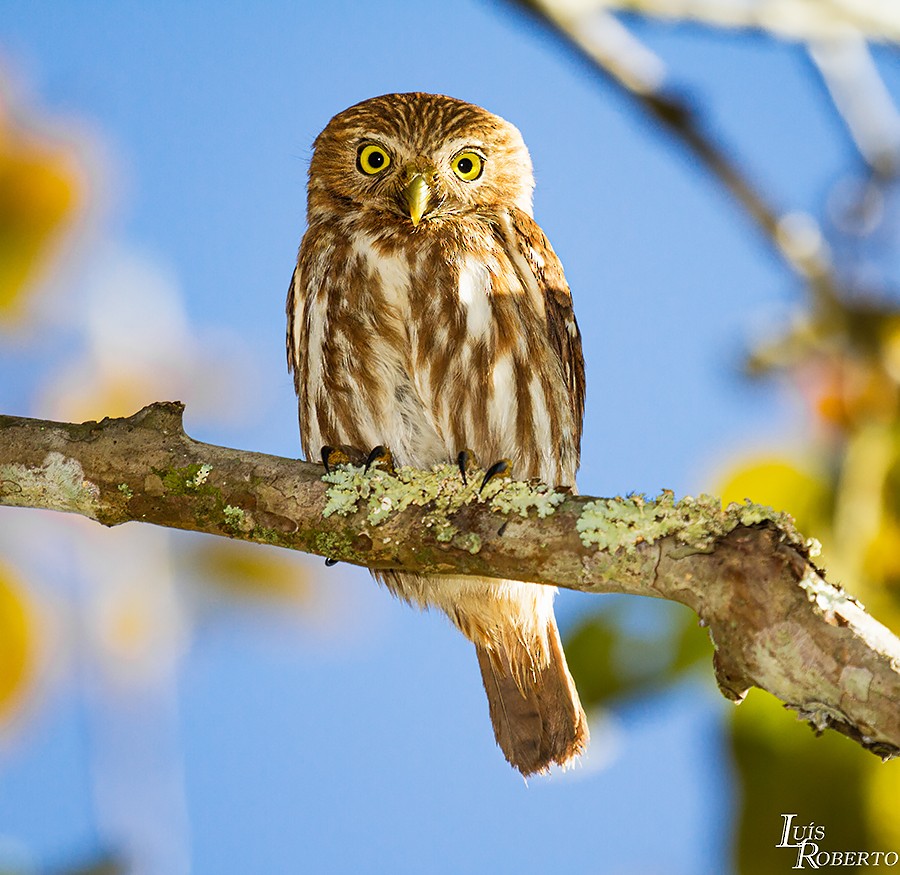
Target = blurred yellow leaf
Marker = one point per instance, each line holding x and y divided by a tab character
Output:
251	571
881	803
883	553
890	345
108	393
784	485
40	191
18	632
783	768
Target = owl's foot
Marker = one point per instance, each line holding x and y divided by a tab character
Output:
381	457
467	462
501	469
342	454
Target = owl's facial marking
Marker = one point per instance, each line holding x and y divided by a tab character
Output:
471	162
431	190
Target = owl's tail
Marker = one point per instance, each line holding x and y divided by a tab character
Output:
537	715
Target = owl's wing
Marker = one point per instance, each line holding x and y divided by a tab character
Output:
562	329
292	327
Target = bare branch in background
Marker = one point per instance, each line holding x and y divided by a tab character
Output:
861	98
802	20
775	621
601	39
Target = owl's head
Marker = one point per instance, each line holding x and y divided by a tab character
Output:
419	157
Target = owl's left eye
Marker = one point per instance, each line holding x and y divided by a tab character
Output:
372	159
468	165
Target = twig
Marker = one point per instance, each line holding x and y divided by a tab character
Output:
796	238
861	99
801	20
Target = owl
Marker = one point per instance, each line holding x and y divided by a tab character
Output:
428	313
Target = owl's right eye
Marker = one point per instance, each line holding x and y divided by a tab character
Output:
372	159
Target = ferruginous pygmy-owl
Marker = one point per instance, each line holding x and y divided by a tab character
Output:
428	313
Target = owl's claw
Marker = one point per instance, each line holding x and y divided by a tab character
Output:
342	454
503	468
467	462
332	456
380	457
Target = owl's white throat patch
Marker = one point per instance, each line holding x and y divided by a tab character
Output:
474	290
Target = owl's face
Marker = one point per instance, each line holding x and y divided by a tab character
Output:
420	158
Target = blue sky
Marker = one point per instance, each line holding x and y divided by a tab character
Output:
371	750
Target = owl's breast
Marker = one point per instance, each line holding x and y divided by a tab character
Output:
429	320
350	328
428	343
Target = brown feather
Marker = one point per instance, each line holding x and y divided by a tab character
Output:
537	722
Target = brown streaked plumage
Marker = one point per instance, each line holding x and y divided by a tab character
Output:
429	313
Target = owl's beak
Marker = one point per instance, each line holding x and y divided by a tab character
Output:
417	193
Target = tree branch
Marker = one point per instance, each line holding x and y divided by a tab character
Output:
789	19
775	621
597	36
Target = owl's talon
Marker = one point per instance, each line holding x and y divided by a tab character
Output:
342	454
501	469
466	461
380	457
326	454
330	563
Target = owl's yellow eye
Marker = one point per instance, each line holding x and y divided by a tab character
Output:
468	165
372	159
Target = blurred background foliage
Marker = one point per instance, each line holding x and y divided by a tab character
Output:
838	359
17	642
41	194
123	638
